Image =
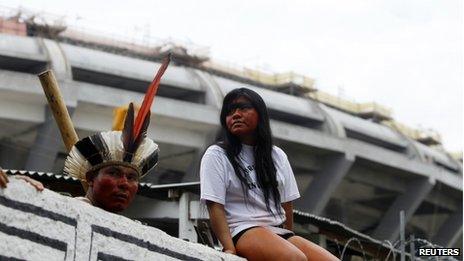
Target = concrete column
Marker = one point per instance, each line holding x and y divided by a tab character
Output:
193	171
213	97
409	201
12	154
186	225
450	231
317	195
57	59
46	146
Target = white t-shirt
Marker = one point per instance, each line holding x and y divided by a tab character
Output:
220	184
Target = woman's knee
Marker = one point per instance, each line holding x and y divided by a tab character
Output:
311	250
294	254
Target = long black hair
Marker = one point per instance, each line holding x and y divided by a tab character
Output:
264	164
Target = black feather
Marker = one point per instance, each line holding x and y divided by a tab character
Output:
128	133
100	145
150	162
143	131
89	151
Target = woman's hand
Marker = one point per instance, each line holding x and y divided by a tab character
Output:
230	251
217	216
288	208
4	180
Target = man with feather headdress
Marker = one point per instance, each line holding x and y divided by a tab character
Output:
112	163
109	163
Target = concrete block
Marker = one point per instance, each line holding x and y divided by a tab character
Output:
48	226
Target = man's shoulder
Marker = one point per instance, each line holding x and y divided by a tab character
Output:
84	199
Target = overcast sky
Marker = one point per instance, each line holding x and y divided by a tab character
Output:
404	54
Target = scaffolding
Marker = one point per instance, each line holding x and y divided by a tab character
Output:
370	110
288	82
456	155
10	25
427	137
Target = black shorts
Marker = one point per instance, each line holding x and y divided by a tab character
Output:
237	237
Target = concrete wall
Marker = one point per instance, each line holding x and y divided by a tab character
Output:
47	226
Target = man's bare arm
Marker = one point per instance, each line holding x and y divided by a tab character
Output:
4	180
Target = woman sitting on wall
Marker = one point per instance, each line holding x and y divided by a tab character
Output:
248	186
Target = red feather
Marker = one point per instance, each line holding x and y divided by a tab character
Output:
149	97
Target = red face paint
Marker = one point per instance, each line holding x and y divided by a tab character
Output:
114	188
242	120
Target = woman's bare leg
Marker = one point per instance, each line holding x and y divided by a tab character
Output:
311	250
262	244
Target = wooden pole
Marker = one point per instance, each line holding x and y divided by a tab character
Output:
59	110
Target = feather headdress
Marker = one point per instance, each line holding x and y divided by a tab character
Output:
129	147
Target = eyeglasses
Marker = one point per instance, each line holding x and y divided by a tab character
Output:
238	105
